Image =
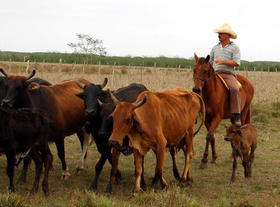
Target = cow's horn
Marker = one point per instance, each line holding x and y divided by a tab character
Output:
81	85
114	98
32	74
104	83
99	102
137	105
3	72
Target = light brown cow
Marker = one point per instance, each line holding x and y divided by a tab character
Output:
156	120
243	142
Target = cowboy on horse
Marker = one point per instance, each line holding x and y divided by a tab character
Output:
224	57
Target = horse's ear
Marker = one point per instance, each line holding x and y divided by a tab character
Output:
196	58
207	58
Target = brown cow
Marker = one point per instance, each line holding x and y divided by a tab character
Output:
243	142
157	120
65	110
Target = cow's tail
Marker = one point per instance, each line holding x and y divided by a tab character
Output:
202	111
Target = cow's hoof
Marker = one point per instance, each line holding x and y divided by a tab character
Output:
21	181
65	175
213	161
79	170
203	165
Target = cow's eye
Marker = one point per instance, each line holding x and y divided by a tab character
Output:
127	121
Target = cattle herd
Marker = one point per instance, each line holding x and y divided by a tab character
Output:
129	120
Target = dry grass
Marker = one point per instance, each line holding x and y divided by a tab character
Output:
211	186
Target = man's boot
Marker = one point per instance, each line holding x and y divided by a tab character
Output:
236	119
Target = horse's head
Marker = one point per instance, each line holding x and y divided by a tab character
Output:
202	71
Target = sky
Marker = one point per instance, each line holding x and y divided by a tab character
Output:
171	28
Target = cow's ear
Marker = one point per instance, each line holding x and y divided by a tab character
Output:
33	85
81	95
136	125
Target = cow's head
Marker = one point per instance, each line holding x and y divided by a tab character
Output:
106	126
16	87
124	120
91	95
202	71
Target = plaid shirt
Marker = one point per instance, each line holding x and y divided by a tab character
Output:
229	52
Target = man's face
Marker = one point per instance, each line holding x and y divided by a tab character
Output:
223	36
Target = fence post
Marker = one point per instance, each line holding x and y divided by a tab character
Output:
42	69
27	66
10	66
99	67
60	65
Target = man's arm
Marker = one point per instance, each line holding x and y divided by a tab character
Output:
230	63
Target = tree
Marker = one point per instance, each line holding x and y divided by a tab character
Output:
88	45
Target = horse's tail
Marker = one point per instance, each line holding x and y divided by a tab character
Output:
202	111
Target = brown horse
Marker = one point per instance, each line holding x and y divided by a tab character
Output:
216	99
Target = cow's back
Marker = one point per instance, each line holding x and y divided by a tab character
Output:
60	102
170	113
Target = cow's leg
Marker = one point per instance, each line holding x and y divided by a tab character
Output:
11	161
98	167
84	138
234	166
48	159
143	183
118	175
188	150
61	154
138	162
22	177
245	162
160	161
38	168
114	170
252	156
175	169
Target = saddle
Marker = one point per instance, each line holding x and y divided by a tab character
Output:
225	84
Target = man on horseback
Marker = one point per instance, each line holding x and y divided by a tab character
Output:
224	57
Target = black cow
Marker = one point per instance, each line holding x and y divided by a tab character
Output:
98	106
25	131
65	111
3	93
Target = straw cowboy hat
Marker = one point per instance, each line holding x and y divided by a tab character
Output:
226	28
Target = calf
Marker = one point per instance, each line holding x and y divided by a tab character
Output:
243	142
25	131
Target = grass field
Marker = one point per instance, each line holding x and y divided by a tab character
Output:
211	186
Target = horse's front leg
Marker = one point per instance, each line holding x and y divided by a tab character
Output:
211	124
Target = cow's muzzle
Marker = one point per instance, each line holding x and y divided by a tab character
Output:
227	139
7	103
196	90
